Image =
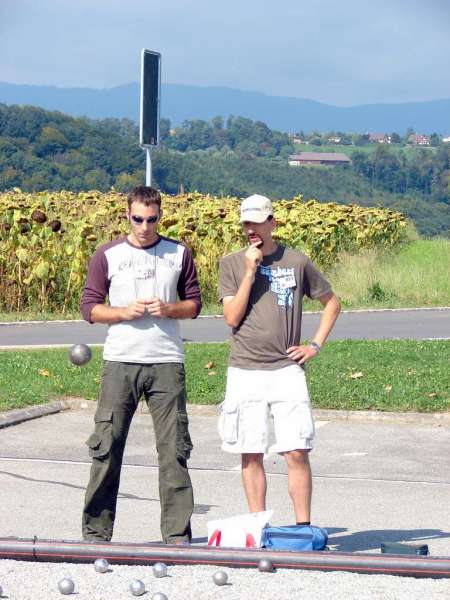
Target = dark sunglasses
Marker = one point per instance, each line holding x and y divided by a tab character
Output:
139	220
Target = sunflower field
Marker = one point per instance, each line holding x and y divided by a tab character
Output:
47	238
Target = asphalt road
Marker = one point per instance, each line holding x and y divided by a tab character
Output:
357	325
374	481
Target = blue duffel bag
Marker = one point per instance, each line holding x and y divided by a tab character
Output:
299	538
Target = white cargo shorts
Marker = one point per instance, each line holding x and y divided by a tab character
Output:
251	397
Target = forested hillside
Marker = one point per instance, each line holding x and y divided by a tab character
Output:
49	150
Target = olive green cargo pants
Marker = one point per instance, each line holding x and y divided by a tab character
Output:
163	387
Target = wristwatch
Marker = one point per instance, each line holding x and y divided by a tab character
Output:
315	345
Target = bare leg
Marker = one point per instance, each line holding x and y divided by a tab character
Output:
254	480
299	483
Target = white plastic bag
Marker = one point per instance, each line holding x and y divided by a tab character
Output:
242	531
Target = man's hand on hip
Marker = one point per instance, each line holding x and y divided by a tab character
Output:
300	354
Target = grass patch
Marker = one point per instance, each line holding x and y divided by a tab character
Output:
387	375
409	151
37	376
415	275
393	375
35	315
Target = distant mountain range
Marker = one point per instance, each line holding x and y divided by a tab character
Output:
180	102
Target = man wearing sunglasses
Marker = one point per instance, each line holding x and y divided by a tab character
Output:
151	282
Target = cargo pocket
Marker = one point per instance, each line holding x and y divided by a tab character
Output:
184	442
100	441
228	424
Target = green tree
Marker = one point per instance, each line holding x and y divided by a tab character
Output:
362	139
164	129
50	141
97	179
435	139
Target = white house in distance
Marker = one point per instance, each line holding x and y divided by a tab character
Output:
446	140
296	139
318	158
418	140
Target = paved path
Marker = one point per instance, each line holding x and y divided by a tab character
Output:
373	482
382	324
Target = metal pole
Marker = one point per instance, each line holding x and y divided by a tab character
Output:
144	554
148	173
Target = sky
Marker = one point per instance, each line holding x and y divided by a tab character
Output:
341	52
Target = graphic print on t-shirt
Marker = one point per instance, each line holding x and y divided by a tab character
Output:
144	274
282	283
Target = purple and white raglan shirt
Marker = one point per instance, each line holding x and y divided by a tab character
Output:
126	273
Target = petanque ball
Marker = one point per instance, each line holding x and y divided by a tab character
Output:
159	596
66	586
265	566
220	578
80	354
137	587
159	569
101	565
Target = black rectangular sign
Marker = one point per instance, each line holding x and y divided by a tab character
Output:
150	98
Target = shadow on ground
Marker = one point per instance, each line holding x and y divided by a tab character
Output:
362	541
199	509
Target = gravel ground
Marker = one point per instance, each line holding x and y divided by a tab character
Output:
30	581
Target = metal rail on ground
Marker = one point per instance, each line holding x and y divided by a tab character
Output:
34	549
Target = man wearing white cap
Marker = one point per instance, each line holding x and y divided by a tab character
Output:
261	288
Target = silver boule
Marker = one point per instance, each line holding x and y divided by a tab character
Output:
137	587
159	569
159	596
66	586
101	565
220	578
265	566
80	354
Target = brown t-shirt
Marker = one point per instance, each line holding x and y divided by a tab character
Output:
272	321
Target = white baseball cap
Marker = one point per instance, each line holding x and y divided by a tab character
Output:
256	209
